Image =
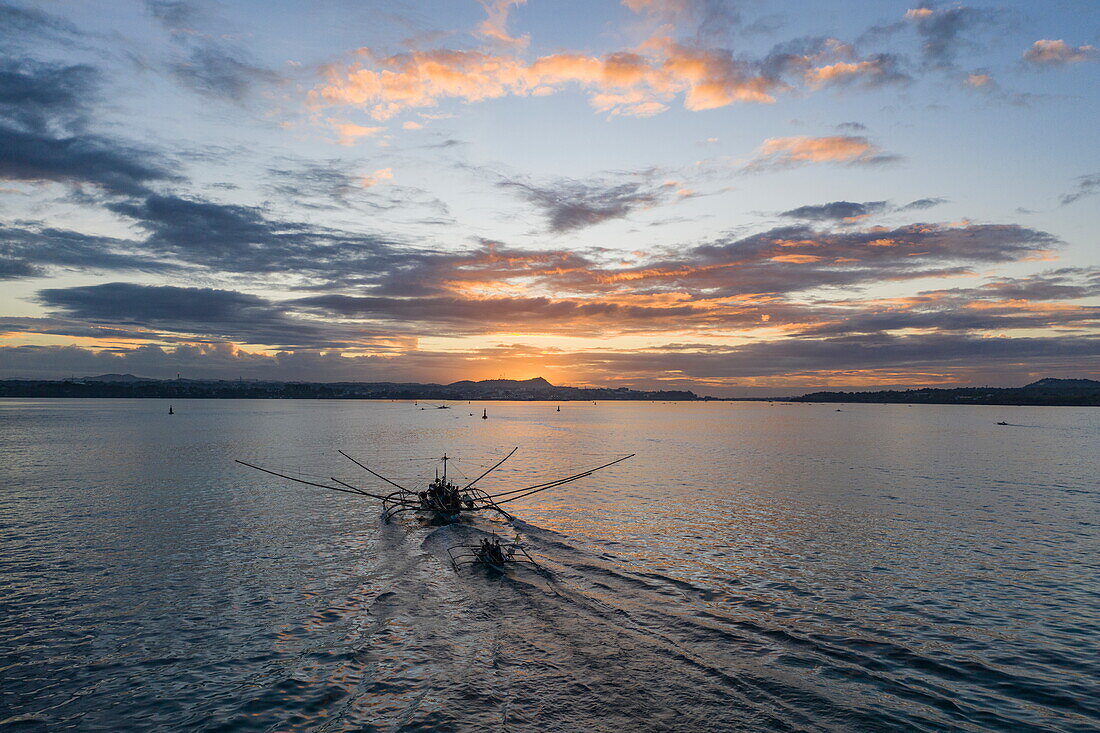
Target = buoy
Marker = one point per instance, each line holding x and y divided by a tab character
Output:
484	414
559	408
170	412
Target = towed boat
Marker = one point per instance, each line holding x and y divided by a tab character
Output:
490	553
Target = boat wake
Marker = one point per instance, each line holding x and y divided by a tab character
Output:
590	642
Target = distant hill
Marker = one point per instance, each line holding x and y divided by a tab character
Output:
127	385
524	385
1052	383
117	378
1049	391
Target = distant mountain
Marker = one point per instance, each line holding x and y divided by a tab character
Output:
523	385
117	378
127	385
1048	391
1053	383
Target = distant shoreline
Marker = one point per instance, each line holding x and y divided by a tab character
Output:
1049	392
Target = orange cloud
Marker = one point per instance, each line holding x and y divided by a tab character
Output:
380	175
789	151
631	83
844	71
796	259
349	133
1048	52
495	25
979	80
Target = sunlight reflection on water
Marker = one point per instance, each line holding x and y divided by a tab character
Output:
756	566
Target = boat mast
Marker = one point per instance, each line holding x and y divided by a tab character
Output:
445	459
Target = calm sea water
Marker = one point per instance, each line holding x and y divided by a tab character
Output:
755	567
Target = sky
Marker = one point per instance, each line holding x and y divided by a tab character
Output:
737	197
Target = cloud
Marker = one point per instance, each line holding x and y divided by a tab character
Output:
28	250
944	31
26	27
922	204
220	71
209	63
575	316
704	21
1058	53
208	312
349	133
43	110
978	80
495	26
379	176
787	152
1086	186
569	205
819	62
627	83
242	240
798	258
836	211
175	15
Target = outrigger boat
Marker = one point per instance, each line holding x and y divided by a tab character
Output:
443	500
489	552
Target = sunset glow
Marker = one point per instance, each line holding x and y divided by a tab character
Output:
695	195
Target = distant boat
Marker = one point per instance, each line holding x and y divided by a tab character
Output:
170	411
484	414
1002	422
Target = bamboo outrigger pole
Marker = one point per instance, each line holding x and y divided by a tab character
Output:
373	473
556	482
502	460
349	490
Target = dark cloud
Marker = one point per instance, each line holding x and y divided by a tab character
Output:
1067	283
27	250
132	303
481	315
822	61
922	204
224	72
222	314
209	63
859	353
796	258
43	109
26	26
230	239
944	31
109	164
175	15
851	212
569	205
836	211
1086	186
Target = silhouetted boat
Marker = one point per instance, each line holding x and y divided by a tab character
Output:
490	552
1002	422
170	411
442	499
